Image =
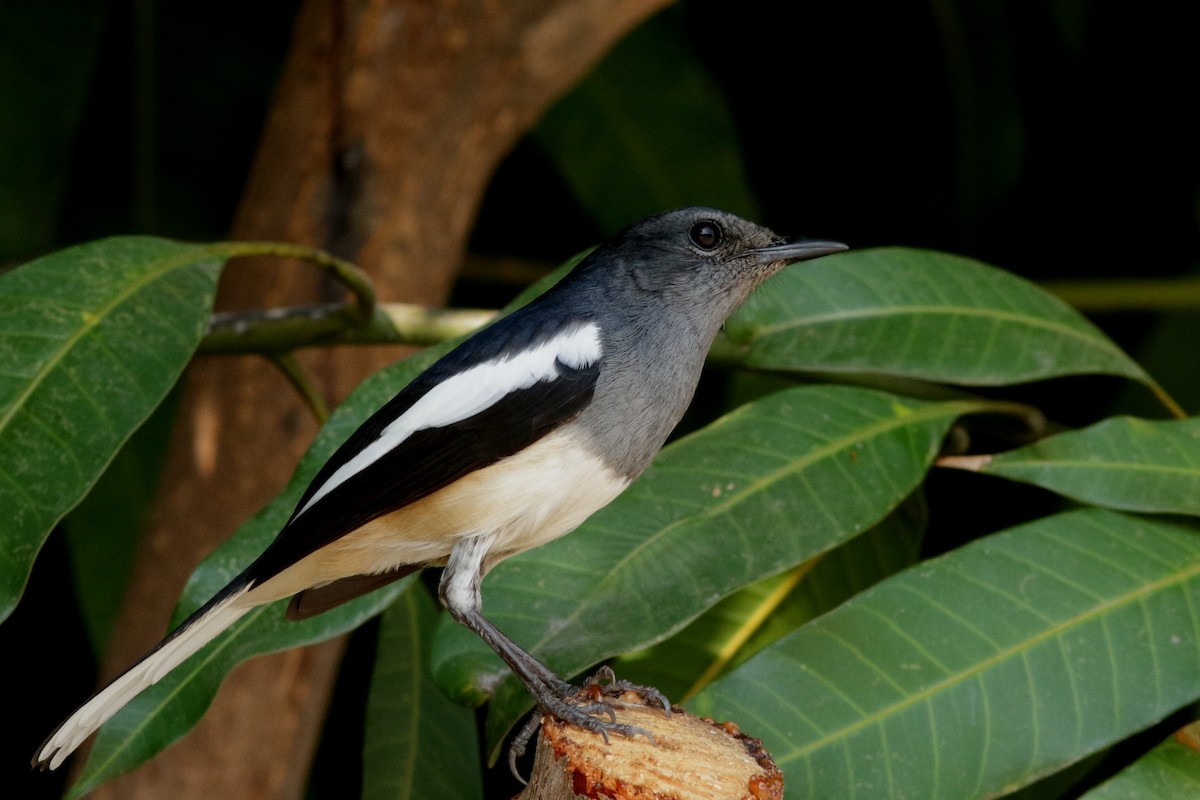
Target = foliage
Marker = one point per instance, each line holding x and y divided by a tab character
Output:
779	565
1078	625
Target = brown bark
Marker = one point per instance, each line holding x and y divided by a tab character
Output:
388	121
689	759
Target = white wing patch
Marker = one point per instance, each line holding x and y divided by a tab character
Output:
471	392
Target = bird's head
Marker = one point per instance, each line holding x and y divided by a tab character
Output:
704	258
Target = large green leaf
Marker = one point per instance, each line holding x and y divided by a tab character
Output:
417	743
890	546
1170	771
1124	462
920	314
975	673
757	492
91	340
628	147
750	619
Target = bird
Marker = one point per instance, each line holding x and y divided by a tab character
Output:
509	441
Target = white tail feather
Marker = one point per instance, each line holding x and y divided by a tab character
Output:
108	701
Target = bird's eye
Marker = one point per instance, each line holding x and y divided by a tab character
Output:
706	235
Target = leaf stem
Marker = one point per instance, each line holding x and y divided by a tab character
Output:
348	275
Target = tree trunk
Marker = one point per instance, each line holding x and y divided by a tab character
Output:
389	119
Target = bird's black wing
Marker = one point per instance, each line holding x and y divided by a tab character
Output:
430	458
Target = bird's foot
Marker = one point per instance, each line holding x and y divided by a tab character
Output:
606	682
585	707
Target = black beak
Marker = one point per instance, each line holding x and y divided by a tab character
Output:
795	250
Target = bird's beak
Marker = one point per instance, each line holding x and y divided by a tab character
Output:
795	250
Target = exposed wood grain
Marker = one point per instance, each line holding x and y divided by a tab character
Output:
688	759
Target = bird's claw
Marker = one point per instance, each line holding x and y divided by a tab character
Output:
607	681
582	707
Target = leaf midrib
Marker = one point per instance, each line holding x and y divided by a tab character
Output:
92	321
929	310
977	670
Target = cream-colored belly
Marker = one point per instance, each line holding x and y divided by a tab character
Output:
523	501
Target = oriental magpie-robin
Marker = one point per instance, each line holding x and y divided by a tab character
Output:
509	441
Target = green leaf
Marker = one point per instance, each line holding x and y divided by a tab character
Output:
628	147
756	493
750	619
920	314
978	672
417	744
91	340
890	546
1168	772
1125	463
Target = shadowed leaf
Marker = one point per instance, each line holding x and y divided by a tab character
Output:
1168	772
615	138
417	743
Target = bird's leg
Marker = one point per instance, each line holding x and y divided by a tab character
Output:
602	682
459	593
552	694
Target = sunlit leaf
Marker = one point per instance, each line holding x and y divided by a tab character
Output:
920	314
750	619
978	672
91	340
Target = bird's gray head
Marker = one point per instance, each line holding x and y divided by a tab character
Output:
701	262
702	257
660	290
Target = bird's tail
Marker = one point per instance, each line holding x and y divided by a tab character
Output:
196	631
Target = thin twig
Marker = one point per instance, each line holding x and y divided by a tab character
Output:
291	369
282	330
357	282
